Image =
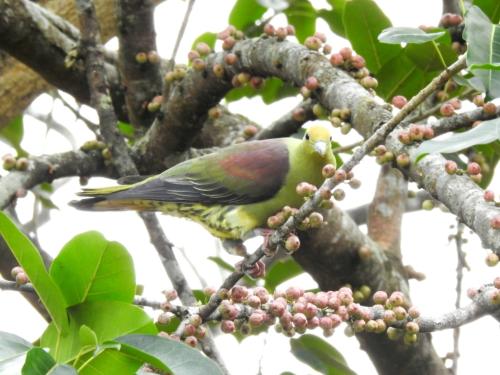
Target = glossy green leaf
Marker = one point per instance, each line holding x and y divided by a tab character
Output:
334	17
13	133
302	15
13	351
107	319
400	76
91	268
363	22
398	35
111	361
62	370
38	362
431	56
30	259
245	13
490	7
484	133
320	355
87	336
483	47
280	271
168	355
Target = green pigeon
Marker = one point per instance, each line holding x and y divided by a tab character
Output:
231	192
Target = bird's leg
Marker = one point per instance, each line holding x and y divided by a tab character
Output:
234	247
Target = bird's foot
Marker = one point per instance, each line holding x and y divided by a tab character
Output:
234	247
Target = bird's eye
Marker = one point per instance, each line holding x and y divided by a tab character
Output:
307	136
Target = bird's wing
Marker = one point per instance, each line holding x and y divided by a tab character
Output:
241	174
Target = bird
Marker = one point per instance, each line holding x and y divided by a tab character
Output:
231	192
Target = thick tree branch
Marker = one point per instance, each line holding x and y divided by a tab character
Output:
186	108
99	91
43	41
386	211
50	167
459	193
141	79
19	85
360	214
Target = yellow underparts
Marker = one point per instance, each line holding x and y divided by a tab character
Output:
226	222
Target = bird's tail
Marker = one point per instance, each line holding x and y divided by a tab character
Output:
112	198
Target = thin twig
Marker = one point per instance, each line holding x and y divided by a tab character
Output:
92	126
435	109
346	148
180	35
461	264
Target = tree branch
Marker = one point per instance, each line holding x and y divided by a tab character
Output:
142	79
43	41
386	211
360	214
288	123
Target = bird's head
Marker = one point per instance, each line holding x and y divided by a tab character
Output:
318	140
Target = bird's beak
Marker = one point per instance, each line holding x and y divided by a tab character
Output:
320	147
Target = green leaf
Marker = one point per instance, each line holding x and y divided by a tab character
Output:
62	370
487	66
13	133
38	362
126	129
222	263
430	56
87	336
400	76
13	350
490	7
281	271
90	268
107	319
486	132
398	35
30	259
245	13
334	17
320	355
208	38
200	296
168	355
111	361
302	15
483	47
364	21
